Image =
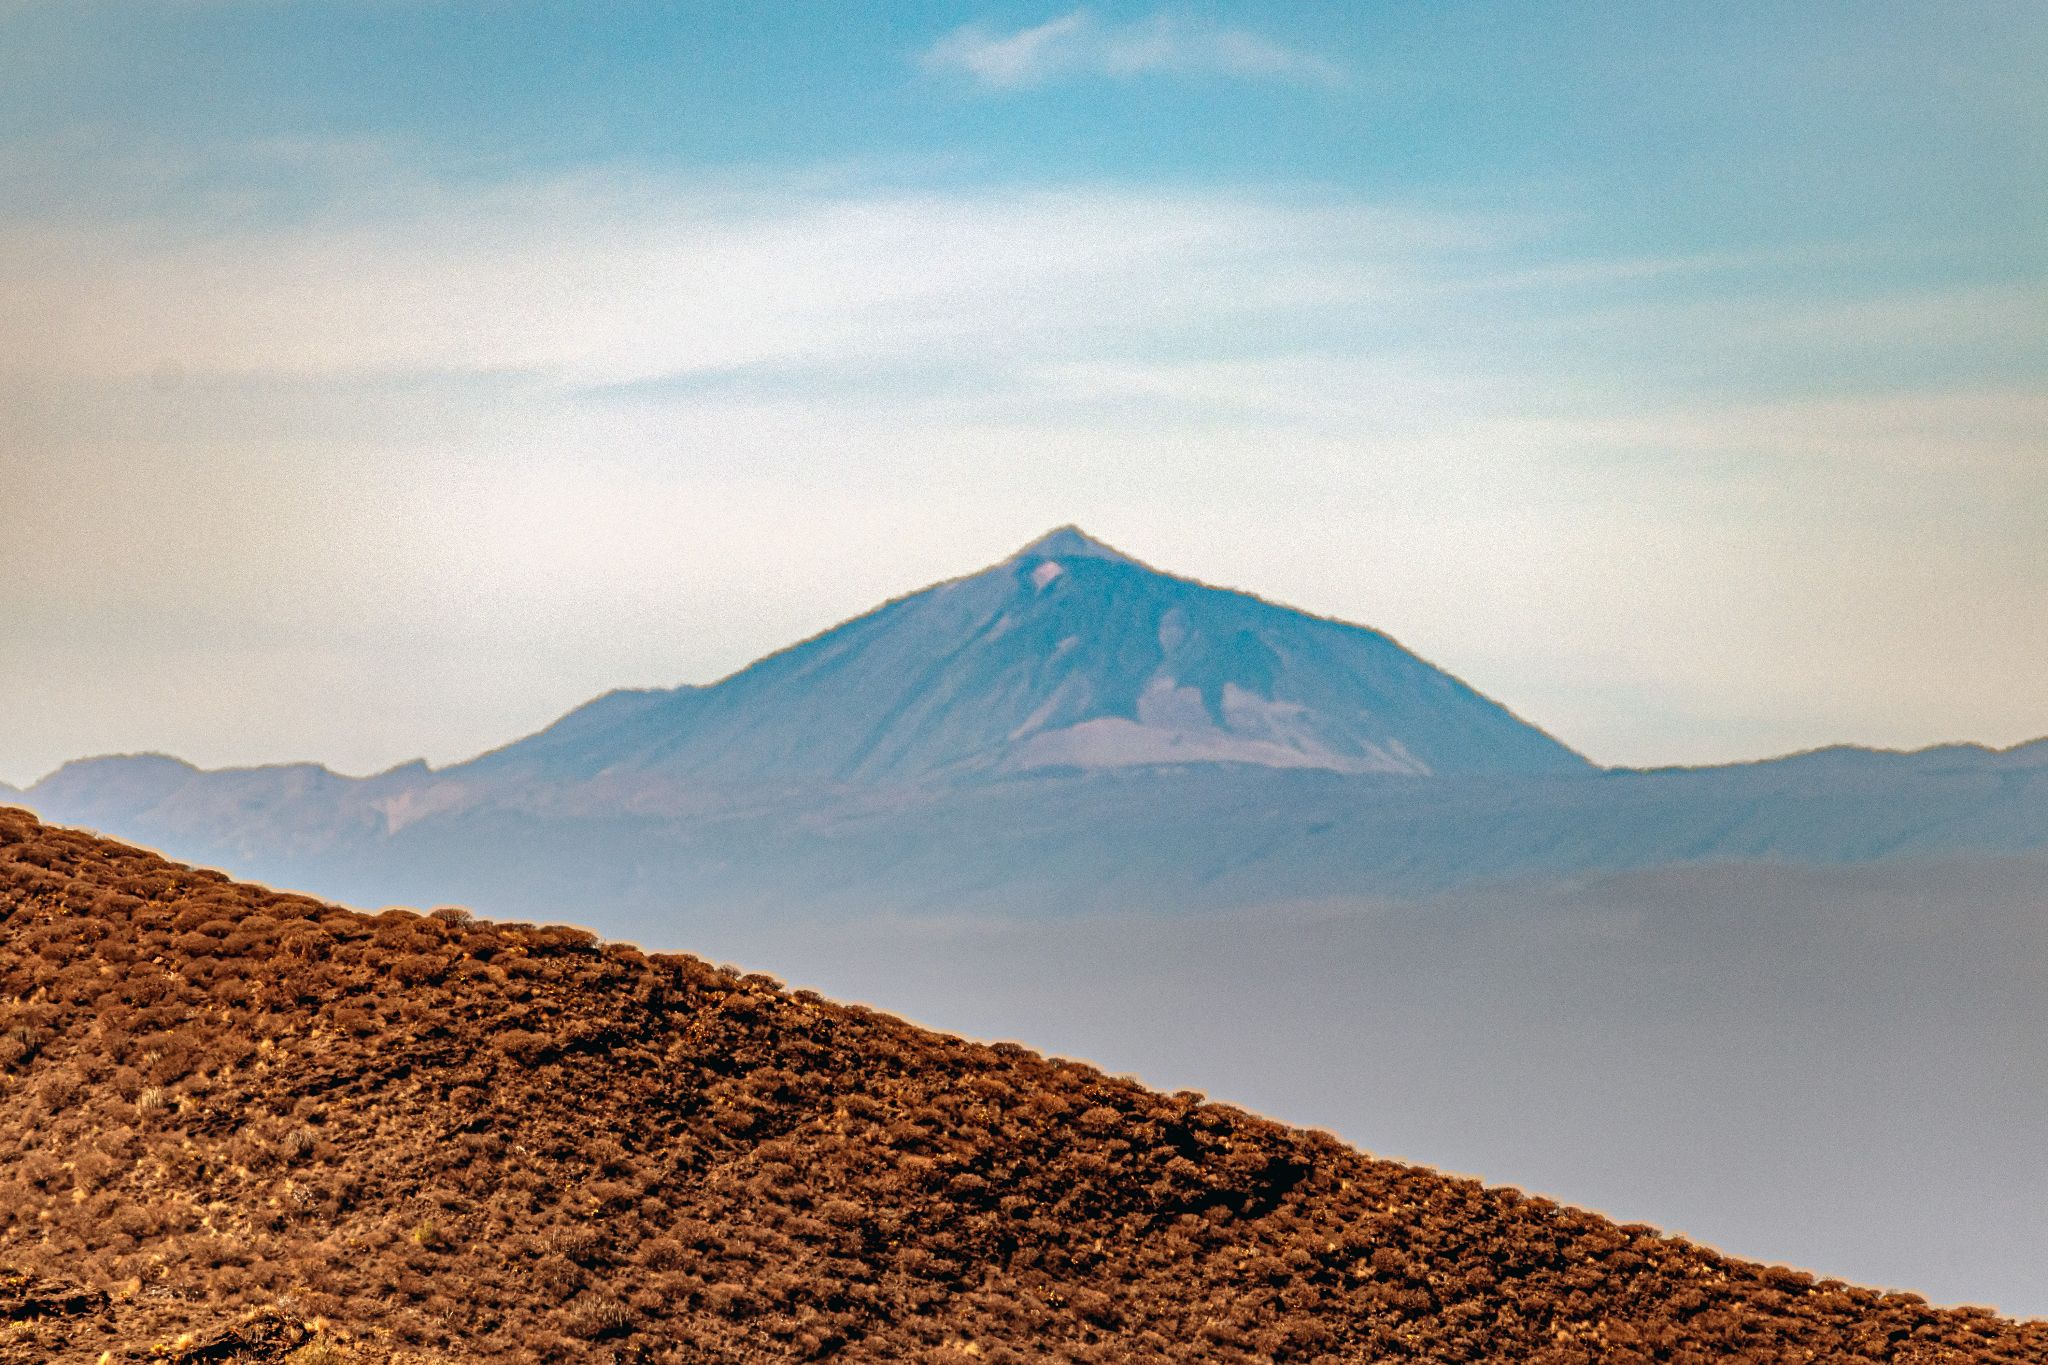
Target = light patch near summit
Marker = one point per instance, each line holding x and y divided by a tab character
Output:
1045	573
1173	725
1119	742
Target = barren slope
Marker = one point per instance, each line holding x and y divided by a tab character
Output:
231	1119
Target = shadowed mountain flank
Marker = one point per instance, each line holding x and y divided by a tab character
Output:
238	1124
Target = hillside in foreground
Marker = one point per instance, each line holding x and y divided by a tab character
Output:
239	1124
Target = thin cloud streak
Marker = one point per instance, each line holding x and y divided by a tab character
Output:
611	283
599	281
1078	44
1988	429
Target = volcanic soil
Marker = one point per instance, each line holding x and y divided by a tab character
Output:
243	1125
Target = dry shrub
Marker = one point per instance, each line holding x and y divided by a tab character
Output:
524	1046
599	1317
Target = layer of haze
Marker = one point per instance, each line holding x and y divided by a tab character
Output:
378	381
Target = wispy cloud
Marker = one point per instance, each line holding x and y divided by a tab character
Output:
1980	429
610	280
1079	44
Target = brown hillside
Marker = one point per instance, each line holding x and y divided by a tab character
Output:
236	1124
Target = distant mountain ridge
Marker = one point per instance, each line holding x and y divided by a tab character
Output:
1067	727
1067	654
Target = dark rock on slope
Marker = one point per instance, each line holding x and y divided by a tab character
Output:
237	1124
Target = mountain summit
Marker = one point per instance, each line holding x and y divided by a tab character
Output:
1071	542
1068	654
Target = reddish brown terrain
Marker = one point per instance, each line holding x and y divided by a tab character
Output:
236	1124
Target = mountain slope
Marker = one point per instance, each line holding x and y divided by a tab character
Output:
1066	654
229	1113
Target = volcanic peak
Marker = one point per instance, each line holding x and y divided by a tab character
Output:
1070	542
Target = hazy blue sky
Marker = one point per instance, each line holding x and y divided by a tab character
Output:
381	379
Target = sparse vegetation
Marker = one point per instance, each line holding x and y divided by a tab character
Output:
242	1125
